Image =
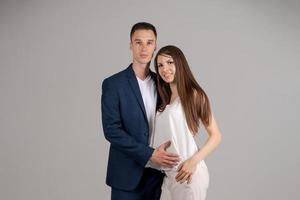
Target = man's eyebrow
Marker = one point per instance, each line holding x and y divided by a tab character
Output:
139	40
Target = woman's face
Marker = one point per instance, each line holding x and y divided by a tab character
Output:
166	68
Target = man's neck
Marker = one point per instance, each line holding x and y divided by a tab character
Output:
141	70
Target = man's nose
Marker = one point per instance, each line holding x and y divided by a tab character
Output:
144	47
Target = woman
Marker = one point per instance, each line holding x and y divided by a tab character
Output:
183	106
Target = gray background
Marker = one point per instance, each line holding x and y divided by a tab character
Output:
55	54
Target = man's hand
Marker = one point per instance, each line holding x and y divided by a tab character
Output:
163	158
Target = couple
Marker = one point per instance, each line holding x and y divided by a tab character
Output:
151	120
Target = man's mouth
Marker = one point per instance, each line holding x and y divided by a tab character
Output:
144	56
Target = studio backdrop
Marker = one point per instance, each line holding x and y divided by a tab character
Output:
55	54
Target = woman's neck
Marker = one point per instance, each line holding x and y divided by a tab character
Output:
174	91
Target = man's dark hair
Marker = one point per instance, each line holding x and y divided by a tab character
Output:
142	26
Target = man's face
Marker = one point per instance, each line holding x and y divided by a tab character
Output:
143	45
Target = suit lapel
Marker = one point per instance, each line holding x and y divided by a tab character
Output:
154	78
136	89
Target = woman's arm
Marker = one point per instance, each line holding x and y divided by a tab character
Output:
213	141
187	168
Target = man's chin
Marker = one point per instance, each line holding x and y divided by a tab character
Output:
144	62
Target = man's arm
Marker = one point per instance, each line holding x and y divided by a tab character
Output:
113	130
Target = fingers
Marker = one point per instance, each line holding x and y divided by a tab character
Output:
165	145
180	175
179	167
183	176
172	158
170	162
164	158
189	179
172	155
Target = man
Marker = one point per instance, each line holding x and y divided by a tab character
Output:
128	109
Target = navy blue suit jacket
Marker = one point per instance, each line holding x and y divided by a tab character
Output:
126	127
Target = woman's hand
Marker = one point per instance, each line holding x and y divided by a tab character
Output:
186	170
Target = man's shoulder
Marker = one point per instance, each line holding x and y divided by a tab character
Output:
117	78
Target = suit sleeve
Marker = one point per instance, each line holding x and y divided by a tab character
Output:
113	130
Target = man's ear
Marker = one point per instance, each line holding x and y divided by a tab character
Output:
130	45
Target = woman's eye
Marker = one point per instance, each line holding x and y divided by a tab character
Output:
170	62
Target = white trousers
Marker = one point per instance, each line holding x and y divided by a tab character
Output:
196	190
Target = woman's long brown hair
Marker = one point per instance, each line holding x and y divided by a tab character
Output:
194	101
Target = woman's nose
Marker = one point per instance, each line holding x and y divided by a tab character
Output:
164	68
